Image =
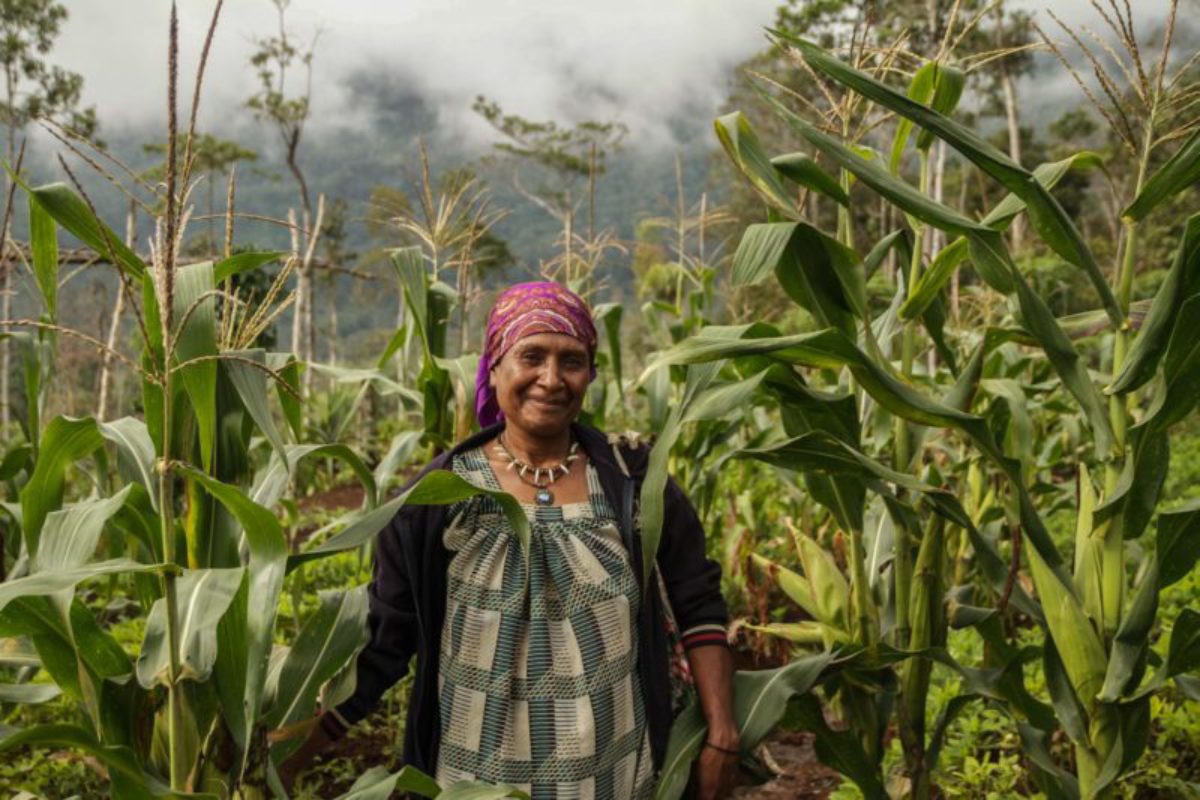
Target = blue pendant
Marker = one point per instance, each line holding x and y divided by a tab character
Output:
544	497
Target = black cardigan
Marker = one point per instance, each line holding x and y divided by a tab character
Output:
408	598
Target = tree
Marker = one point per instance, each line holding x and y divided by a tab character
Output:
275	58
32	89
211	156
560	157
1012	34
337	257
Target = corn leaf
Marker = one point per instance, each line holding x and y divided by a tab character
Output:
124	769
288	368
1183	654
1089	551
1132	639
1078	646
760	699
251	385
701	401
329	638
64	441
238	263
986	246
69	536
743	148
271	482
1046	215
816	271
48	583
808	632
840	749
1181	284
437	487
802	170
135	453
824	276
609	314
73	214
377	784
991	258
475	790
1053	780
202	596
196	321
804	410
1180	172
936	85
73	651
246	631
948	88
1178	543
1002	214
1067	707
830	349
410	269
28	694
831	592
43	244
399	453
683	745
793	584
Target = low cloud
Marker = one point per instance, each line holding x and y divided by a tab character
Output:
642	63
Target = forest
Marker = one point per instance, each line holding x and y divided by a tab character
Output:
919	356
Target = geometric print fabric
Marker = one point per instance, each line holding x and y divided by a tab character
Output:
539	685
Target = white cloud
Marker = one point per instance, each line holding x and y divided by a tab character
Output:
638	61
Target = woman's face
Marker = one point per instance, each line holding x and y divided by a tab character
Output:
541	381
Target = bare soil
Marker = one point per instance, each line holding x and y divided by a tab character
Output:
803	776
337	498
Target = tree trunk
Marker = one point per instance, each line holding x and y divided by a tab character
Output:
5	263
938	240
962	209
5	313
303	338
114	326
333	319
298	303
1014	146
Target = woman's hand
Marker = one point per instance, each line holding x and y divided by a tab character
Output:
314	743
717	766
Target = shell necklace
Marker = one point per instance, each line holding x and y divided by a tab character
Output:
538	477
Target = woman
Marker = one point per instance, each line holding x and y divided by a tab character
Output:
549	670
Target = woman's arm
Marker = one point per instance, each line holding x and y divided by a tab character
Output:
693	584
716	766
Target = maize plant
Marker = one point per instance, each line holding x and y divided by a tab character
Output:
209	702
925	537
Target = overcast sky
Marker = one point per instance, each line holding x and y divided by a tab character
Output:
642	61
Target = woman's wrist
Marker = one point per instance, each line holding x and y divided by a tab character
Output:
724	736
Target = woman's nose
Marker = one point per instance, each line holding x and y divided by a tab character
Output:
551	374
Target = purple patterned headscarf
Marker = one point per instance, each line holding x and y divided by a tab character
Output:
524	310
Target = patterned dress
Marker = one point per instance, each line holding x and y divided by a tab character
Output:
538	682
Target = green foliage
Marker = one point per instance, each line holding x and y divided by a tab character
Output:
28	29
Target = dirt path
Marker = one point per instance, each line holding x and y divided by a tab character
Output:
803	778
